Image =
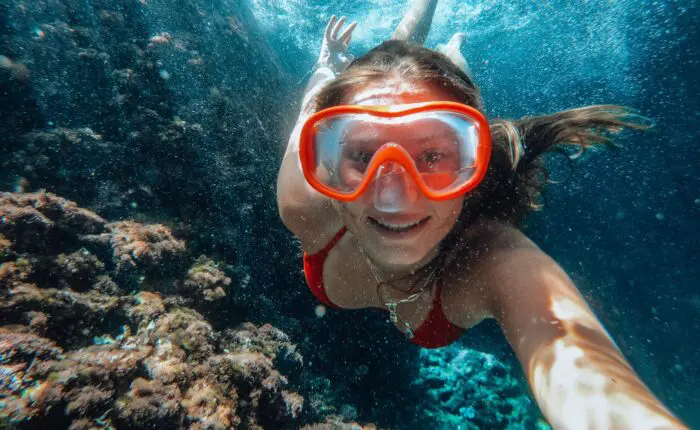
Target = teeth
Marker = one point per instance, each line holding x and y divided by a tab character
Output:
398	227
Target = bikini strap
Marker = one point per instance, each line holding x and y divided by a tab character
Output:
332	243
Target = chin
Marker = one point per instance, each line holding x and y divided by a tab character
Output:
396	241
395	252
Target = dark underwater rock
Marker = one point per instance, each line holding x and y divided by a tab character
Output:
174	112
40	221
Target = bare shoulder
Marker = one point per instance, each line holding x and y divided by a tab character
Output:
469	284
497	237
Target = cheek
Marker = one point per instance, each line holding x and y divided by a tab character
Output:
451	208
349	211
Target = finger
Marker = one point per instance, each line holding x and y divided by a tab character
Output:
329	26
347	40
338	26
346	35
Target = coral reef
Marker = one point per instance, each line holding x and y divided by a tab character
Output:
468	389
128	109
80	349
138	249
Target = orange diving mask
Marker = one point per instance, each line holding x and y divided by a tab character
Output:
441	147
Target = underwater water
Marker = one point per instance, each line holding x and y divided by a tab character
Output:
147	281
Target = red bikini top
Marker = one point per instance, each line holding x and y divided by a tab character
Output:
435	332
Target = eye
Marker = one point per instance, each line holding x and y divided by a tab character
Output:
359	156
431	157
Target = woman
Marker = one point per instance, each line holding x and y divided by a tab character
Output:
406	199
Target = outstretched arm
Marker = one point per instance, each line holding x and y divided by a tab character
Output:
578	376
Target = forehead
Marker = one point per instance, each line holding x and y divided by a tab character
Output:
397	91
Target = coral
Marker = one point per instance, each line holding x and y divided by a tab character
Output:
209	408
265	339
5	248
42	221
206	280
138	251
87	400
76	352
68	313
468	389
137	245
145	307
37	321
78	270
168	364
18	346
150	404
186	329
15	272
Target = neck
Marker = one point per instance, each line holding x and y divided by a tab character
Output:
393	272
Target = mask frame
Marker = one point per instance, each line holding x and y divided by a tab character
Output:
392	151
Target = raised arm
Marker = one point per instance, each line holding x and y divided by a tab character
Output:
332	60
304	210
578	376
415	24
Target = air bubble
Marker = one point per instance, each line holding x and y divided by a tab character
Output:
320	311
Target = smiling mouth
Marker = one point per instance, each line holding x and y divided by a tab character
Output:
398	228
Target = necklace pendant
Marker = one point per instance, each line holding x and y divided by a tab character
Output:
393	316
409	332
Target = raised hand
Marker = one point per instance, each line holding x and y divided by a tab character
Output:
334	49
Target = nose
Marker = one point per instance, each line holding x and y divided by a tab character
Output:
394	190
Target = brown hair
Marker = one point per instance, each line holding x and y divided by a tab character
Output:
516	175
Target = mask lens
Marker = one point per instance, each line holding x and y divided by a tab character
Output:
342	157
447	156
442	145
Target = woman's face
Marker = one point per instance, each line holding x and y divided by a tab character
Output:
405	239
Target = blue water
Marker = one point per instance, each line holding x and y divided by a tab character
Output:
624	223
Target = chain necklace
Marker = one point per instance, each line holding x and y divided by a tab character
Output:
391	304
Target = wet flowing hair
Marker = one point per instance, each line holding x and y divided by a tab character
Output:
516	176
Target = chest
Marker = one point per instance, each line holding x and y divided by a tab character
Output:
349	283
